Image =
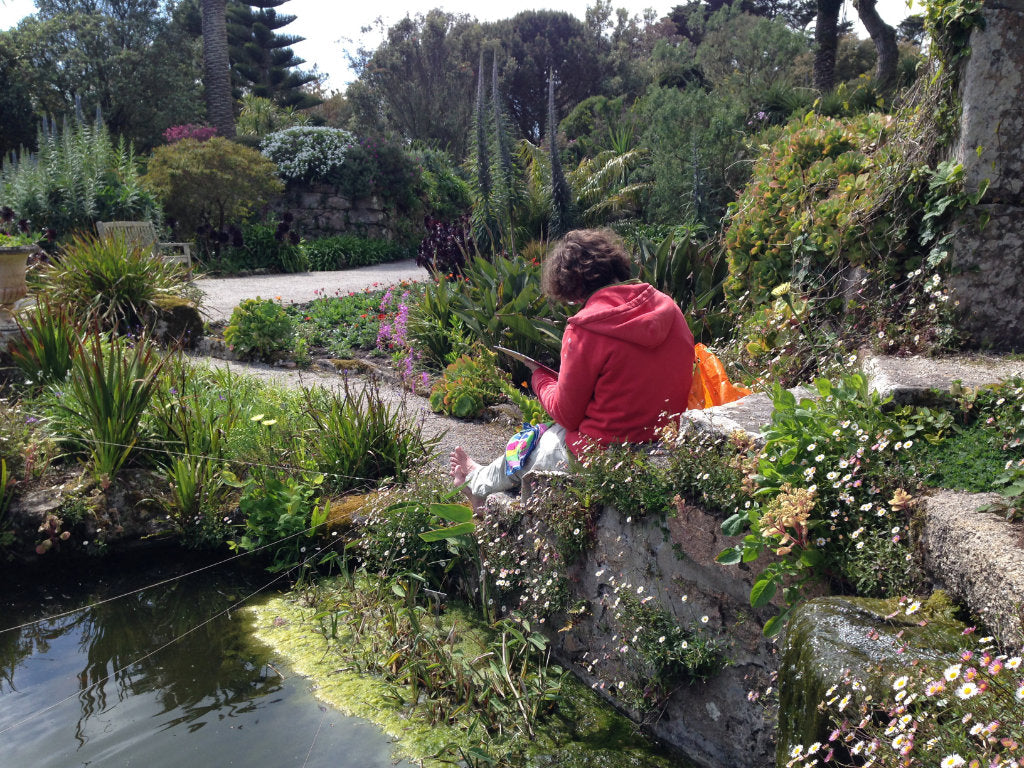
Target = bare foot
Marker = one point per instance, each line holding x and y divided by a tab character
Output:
461	465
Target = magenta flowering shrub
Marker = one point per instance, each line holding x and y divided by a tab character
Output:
392	335
189	131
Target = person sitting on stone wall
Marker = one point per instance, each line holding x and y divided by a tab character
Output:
626	362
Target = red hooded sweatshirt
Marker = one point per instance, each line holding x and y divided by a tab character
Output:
627	358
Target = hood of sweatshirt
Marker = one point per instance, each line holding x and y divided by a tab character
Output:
633	312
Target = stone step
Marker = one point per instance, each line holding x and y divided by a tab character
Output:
977	558
915	380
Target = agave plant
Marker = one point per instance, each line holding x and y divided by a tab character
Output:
692	272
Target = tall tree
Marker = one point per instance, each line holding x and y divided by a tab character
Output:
220	108
692	18
884	38
535	42
17	118
132	59
262	59
419	81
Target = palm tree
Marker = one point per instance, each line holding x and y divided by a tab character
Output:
217	68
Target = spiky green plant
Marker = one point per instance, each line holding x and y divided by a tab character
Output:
112	282
78	176
563	209
49	338
97	412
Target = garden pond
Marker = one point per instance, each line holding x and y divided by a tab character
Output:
167	676
159	665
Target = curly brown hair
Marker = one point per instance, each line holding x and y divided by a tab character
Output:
584	261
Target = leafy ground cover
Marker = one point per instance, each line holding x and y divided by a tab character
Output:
343	324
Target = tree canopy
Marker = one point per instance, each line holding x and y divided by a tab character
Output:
111	55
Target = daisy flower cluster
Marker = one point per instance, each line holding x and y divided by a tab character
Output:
962	710
525	551
826	494
909	315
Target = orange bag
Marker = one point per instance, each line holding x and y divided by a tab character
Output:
711	385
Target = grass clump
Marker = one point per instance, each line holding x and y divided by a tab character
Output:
111	282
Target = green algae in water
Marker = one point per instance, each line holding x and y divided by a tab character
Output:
584	732
830	635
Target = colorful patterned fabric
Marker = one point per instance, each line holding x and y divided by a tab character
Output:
521	446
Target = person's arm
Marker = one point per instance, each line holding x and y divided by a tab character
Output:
567	394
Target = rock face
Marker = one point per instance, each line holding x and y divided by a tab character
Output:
832	635
671	561
989	261
320	210
178	322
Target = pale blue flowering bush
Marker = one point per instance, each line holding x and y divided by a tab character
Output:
306	152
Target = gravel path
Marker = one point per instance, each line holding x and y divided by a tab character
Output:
223	294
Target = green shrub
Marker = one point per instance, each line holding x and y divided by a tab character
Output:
111	282
259	329
378	167
435	331
212	183
282	514
468	386
695	139
447	195
345	251
264	246
363	439
828	497
76	178
193	421
803	216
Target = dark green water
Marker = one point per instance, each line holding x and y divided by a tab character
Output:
151	680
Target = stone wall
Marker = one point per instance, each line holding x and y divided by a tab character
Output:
320	210
988	260
671	560
713	723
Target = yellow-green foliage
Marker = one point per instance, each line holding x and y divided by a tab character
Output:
807	209
213	182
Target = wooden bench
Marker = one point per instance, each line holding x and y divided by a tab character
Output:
144	233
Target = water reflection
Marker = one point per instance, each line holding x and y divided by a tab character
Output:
130	678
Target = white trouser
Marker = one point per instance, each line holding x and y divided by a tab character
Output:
549	453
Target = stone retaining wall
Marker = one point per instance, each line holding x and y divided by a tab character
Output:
321	210
988	261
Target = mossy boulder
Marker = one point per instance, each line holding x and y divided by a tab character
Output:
869	639
178	322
